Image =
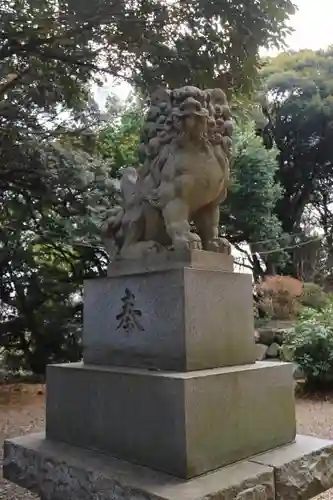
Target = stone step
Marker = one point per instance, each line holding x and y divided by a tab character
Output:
57	471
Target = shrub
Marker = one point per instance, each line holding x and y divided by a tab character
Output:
279	296
288	283
310	345
314	296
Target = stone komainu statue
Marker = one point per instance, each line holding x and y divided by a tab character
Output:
185	152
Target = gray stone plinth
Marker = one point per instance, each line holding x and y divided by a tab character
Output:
56	471
302	470
184	424
173	259
182	320
59	472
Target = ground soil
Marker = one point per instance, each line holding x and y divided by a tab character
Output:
22	412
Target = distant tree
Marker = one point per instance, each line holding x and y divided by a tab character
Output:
49	243
249	211
299	106
117	142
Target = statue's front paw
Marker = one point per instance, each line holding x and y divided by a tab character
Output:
194	242
219	245
190	241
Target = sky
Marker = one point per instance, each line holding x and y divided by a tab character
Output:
312	25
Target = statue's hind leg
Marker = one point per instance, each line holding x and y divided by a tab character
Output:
207	223
176	215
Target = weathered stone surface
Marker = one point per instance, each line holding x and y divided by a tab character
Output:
182	320
172	259
181	423
273	350
274	332
302	470
261	351
279	336
298	372
254	493
56	471
266	336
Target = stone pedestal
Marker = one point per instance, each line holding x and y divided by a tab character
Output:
169	381
184	424
167	261
180	319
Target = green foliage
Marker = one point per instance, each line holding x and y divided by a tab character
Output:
49	244
298	88
148	42
52	194
249	211
253	193
51	197
208	43
310	345
314	296
118	142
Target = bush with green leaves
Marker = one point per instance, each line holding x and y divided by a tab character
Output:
310	345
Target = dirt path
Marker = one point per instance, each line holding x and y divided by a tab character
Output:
22	412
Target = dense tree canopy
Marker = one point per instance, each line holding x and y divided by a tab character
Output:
50	51
298	105
253	193
50	196
248	215
60	44
46	250
299	92
208	43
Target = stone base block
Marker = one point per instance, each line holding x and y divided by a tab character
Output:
56	471
172	259
302	470
183	319
183	424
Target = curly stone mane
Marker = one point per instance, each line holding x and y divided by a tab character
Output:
166	122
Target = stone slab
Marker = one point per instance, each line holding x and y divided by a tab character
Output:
183	424
56	471
303	469
182	320
172	259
